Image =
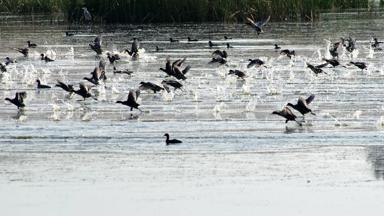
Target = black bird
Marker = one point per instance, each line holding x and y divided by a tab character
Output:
134	52
238	73
288	53
150	86
332	62
69	34
41	86
375	43
46	58
173	40
96	45
23	51
98	74
168	68
219	56
302	105
192	40
18	100
349	43
287	114
3	68
277	47
360	65
158	49
175	69
175	84
112	58
229	46
334	50
210	44
31	45
84	91
258	26
9	61
132	100
255	62
126	71
65	87
171	141
227	38
317	69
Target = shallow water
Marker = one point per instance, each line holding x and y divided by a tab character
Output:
230	139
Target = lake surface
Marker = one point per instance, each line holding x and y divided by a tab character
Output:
61	156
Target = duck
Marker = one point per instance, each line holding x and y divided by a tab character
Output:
211	44
84	91
316	69
132	100
361	65
46	58
18	100
229	46
135	46
238	73
192	40
125	71
171	141
287	114
158	49
31	45
258	26
173	40
227	38
277	47
173	83
302	105
219	56
150	86
41	86
255	62
96	45
288	53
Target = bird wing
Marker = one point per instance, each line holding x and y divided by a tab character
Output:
310	99
251	22
263	23
132	95
186	69
20	96
287	112
98	40
322	65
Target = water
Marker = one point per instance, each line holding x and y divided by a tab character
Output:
232	145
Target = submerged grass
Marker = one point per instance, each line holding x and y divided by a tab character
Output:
139	11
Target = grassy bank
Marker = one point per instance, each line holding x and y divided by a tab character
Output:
139	11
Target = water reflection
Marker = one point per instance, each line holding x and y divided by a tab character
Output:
376	157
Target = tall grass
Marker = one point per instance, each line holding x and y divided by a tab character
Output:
138	11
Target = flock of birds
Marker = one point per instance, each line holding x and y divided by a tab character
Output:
176	71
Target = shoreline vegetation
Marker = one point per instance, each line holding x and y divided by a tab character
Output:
161	11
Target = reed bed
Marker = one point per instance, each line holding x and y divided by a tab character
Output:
141	11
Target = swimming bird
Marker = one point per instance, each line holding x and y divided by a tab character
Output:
96	45
46	58
192	40
211	44
316	69
255	62
3	68
65	87
288	53
229	46
84	91
23	51
332	62
150	86
31	45
302	105
238	73
41	86
9	61
375	43
175	84
134	52
277	47
132	100
158	49
227	38
69	34
287	114
258	26
173	40
87	17
125	71
171	141
361	65
113	58
18	100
